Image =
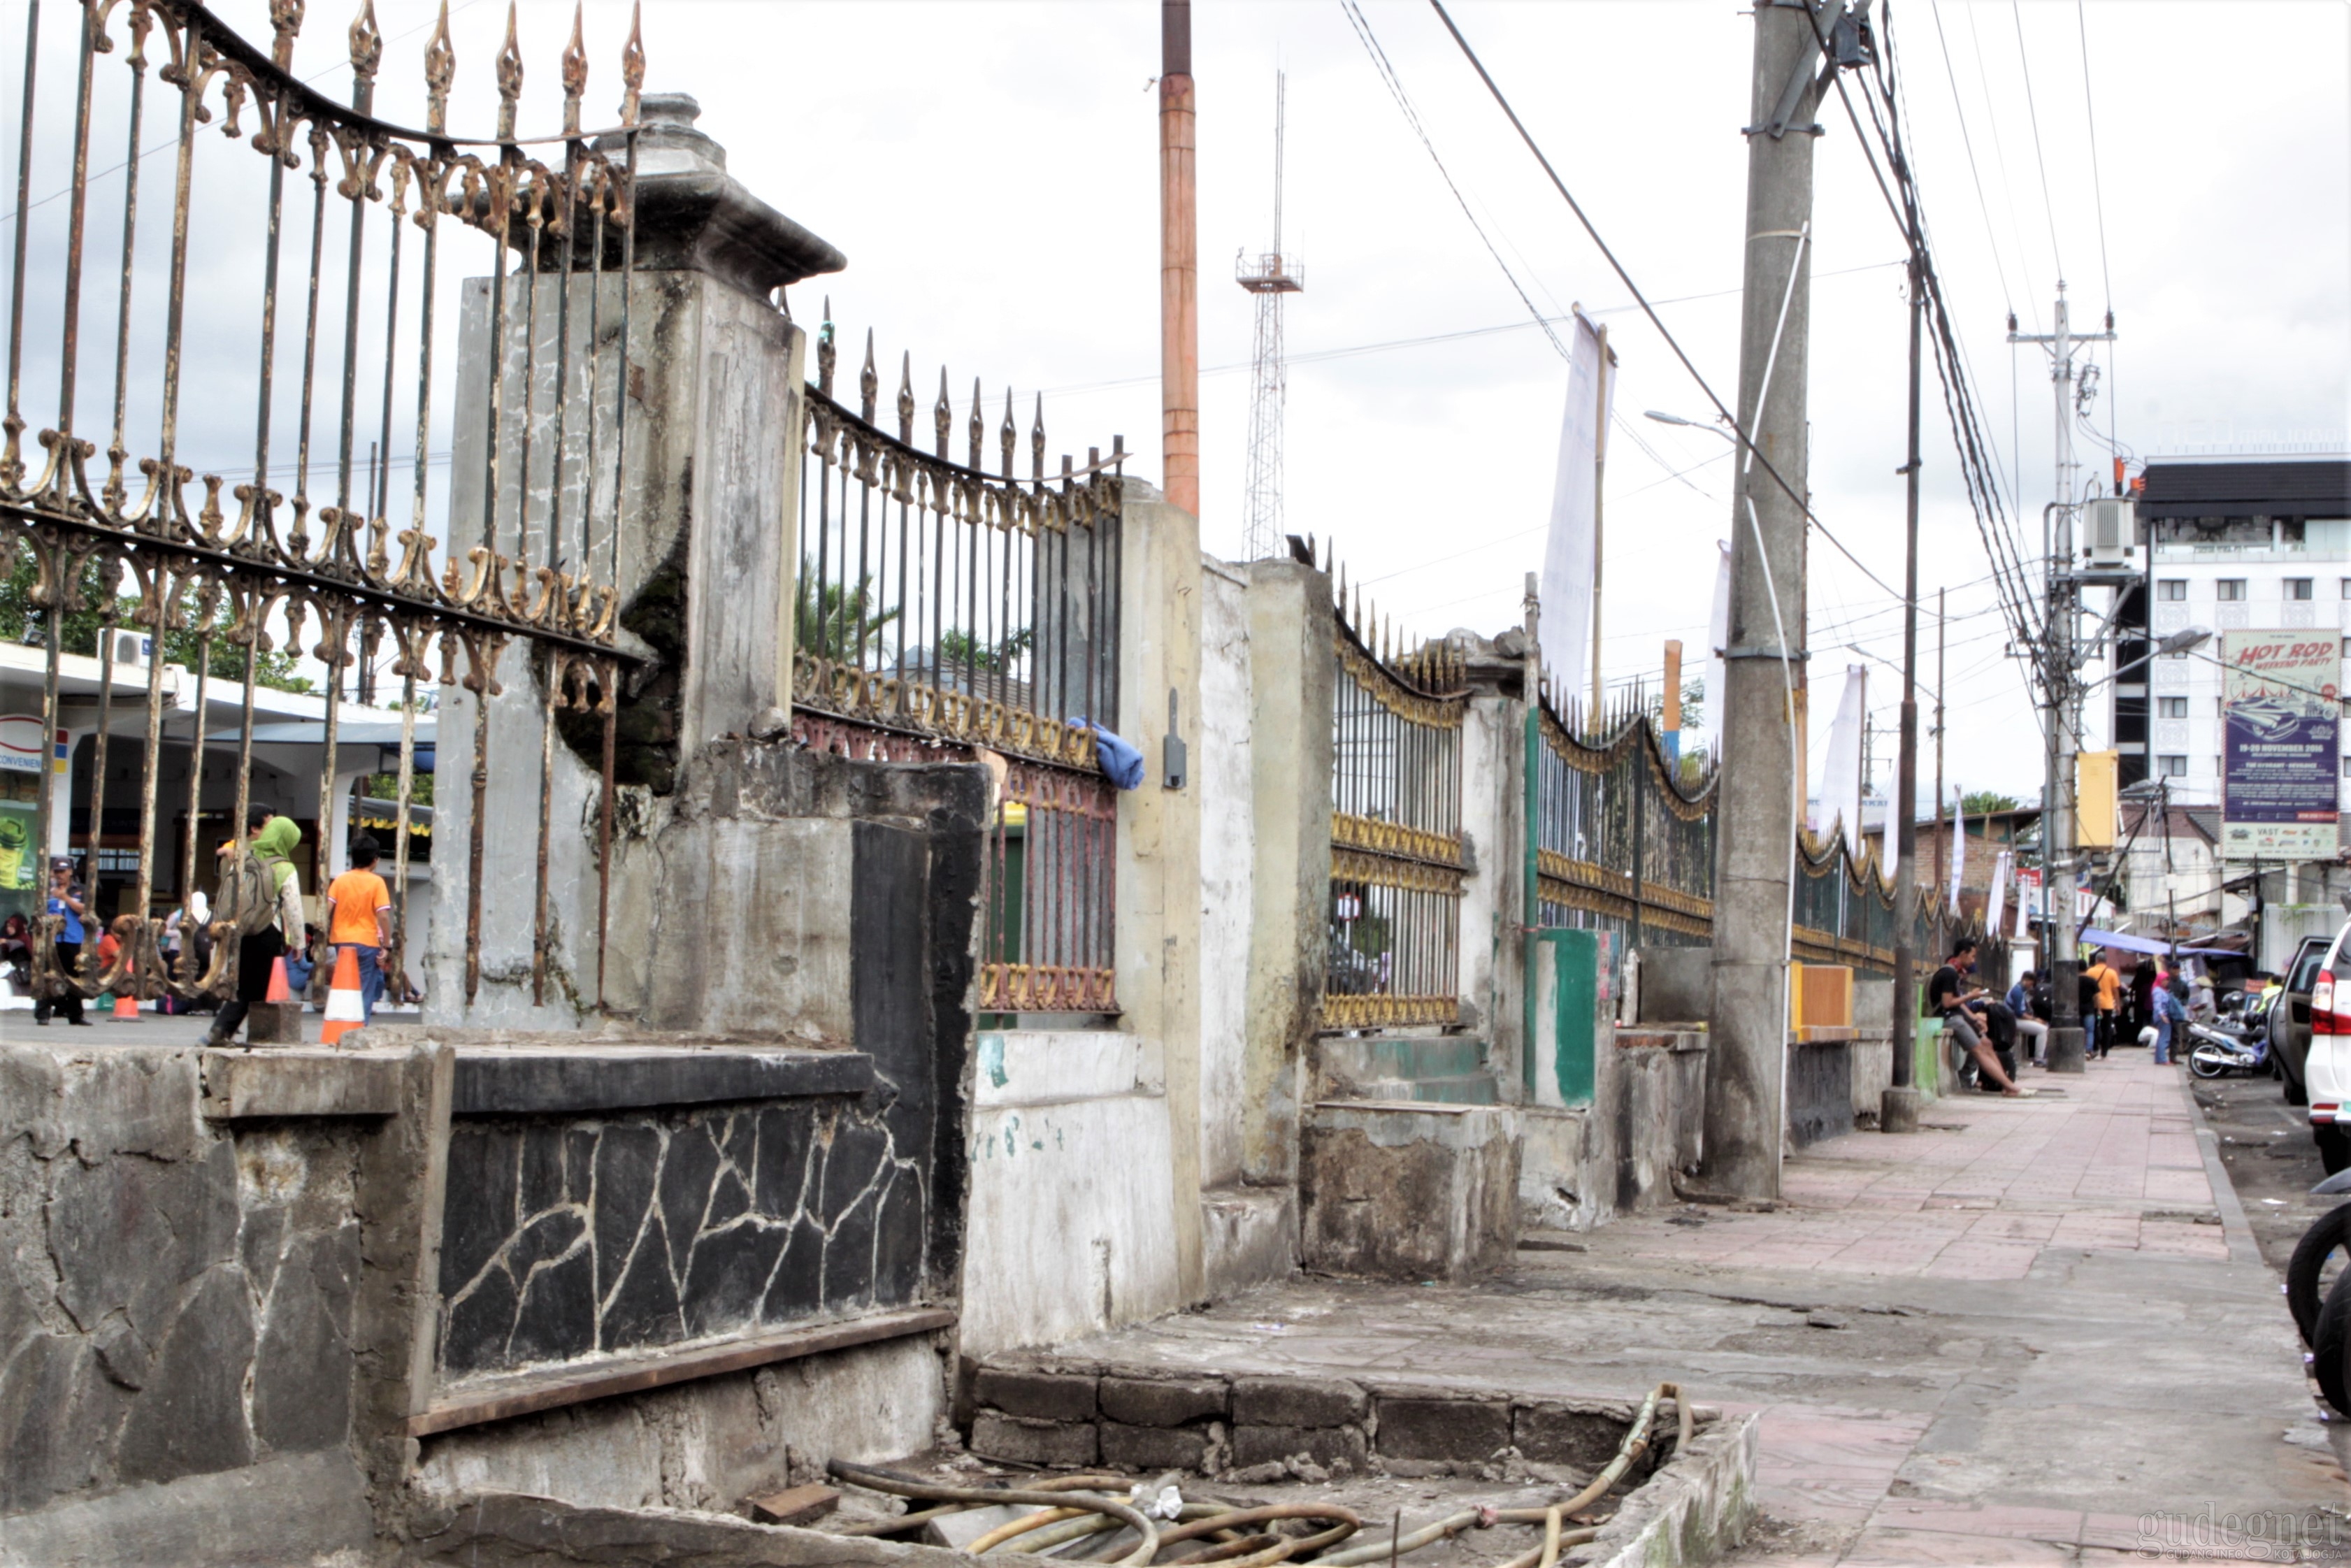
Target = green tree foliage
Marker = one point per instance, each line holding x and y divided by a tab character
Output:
959	648
78	632
1984	801
825	625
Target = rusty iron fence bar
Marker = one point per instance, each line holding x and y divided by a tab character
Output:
251	577
1397	856
942	611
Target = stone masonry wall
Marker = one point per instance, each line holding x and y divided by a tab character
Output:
175	1300
565	1238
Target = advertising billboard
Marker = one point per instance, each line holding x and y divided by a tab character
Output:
2280	719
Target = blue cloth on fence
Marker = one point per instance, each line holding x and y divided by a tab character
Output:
1121	760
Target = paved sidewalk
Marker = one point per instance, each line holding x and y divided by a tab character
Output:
2038	1331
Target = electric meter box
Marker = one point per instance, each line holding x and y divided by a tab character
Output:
2110	531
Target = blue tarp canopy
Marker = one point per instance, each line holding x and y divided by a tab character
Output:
2130	943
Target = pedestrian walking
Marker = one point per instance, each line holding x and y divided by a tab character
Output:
2109	985
260	888
70	899
358	917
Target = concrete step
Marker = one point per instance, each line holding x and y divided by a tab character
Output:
1457	1089
1362	1061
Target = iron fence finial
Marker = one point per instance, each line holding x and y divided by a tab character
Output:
979	426
825	352
943	414
575	69
1037	444
285	22
1009	436
367	43
440	69
906	398
868	383
633	67
509	77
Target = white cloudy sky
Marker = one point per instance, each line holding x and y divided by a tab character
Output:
989	170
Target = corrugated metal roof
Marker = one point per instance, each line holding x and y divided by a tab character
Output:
2317	490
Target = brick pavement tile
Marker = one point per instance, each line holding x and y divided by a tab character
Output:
2061	1526
1881	1547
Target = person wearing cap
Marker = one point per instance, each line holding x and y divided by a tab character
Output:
69	899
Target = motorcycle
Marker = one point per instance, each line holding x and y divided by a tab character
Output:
2234	1042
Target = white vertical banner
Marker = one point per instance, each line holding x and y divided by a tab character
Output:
1959	846
1841	777
1890	842
2026	893
1568	558
1718	675
1996	905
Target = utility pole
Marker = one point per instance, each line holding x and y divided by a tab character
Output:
1763	660
1179	265
2061	693
1897	1109
1942	845
1599	499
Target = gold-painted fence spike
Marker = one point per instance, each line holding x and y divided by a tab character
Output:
979	427
1037	442
367	43
825	351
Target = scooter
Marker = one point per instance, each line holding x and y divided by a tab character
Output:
2216	1053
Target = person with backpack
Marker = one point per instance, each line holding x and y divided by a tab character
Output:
264	903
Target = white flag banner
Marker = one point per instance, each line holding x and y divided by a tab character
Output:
1568	558
1841	779
1717	676
1889	840
1997	905
1959	846
2024	897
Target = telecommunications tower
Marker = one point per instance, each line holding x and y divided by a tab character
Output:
1269	275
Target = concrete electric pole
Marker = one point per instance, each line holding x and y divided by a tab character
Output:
2061	693
1179	265
1764	659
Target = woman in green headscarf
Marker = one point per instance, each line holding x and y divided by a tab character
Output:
272	843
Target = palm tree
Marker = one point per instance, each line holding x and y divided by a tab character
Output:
836	625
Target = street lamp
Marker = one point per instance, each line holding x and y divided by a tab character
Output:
1662	417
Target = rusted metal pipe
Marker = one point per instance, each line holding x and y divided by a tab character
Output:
1179	267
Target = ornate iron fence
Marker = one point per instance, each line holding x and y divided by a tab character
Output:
1844	908
946	611
328	572
1622	844
1396	860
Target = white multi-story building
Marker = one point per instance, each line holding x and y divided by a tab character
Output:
2236	544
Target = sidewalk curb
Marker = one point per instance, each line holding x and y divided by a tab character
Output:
2242	1248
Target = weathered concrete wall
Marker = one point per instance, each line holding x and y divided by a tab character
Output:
1223	754
1493	818
1073	1194
1819	1089
709	1443
1420	1193
1160	974
1583	1166
1675	984
704	564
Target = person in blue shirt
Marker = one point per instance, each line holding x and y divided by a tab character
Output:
2029	1024
67	897
2170	1013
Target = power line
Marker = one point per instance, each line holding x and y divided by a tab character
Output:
1754	453
2032	113
1968	141
1395	89
2097	183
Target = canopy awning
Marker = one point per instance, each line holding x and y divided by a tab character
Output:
2130	943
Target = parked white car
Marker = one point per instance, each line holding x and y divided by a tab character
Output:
2326	1070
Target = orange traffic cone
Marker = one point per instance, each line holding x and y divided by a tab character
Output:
280	991
126	1008
344	1011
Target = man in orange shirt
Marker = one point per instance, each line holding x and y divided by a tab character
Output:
358	917
2110	989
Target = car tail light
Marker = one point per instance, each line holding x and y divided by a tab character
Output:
2323	1020
2323	1111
